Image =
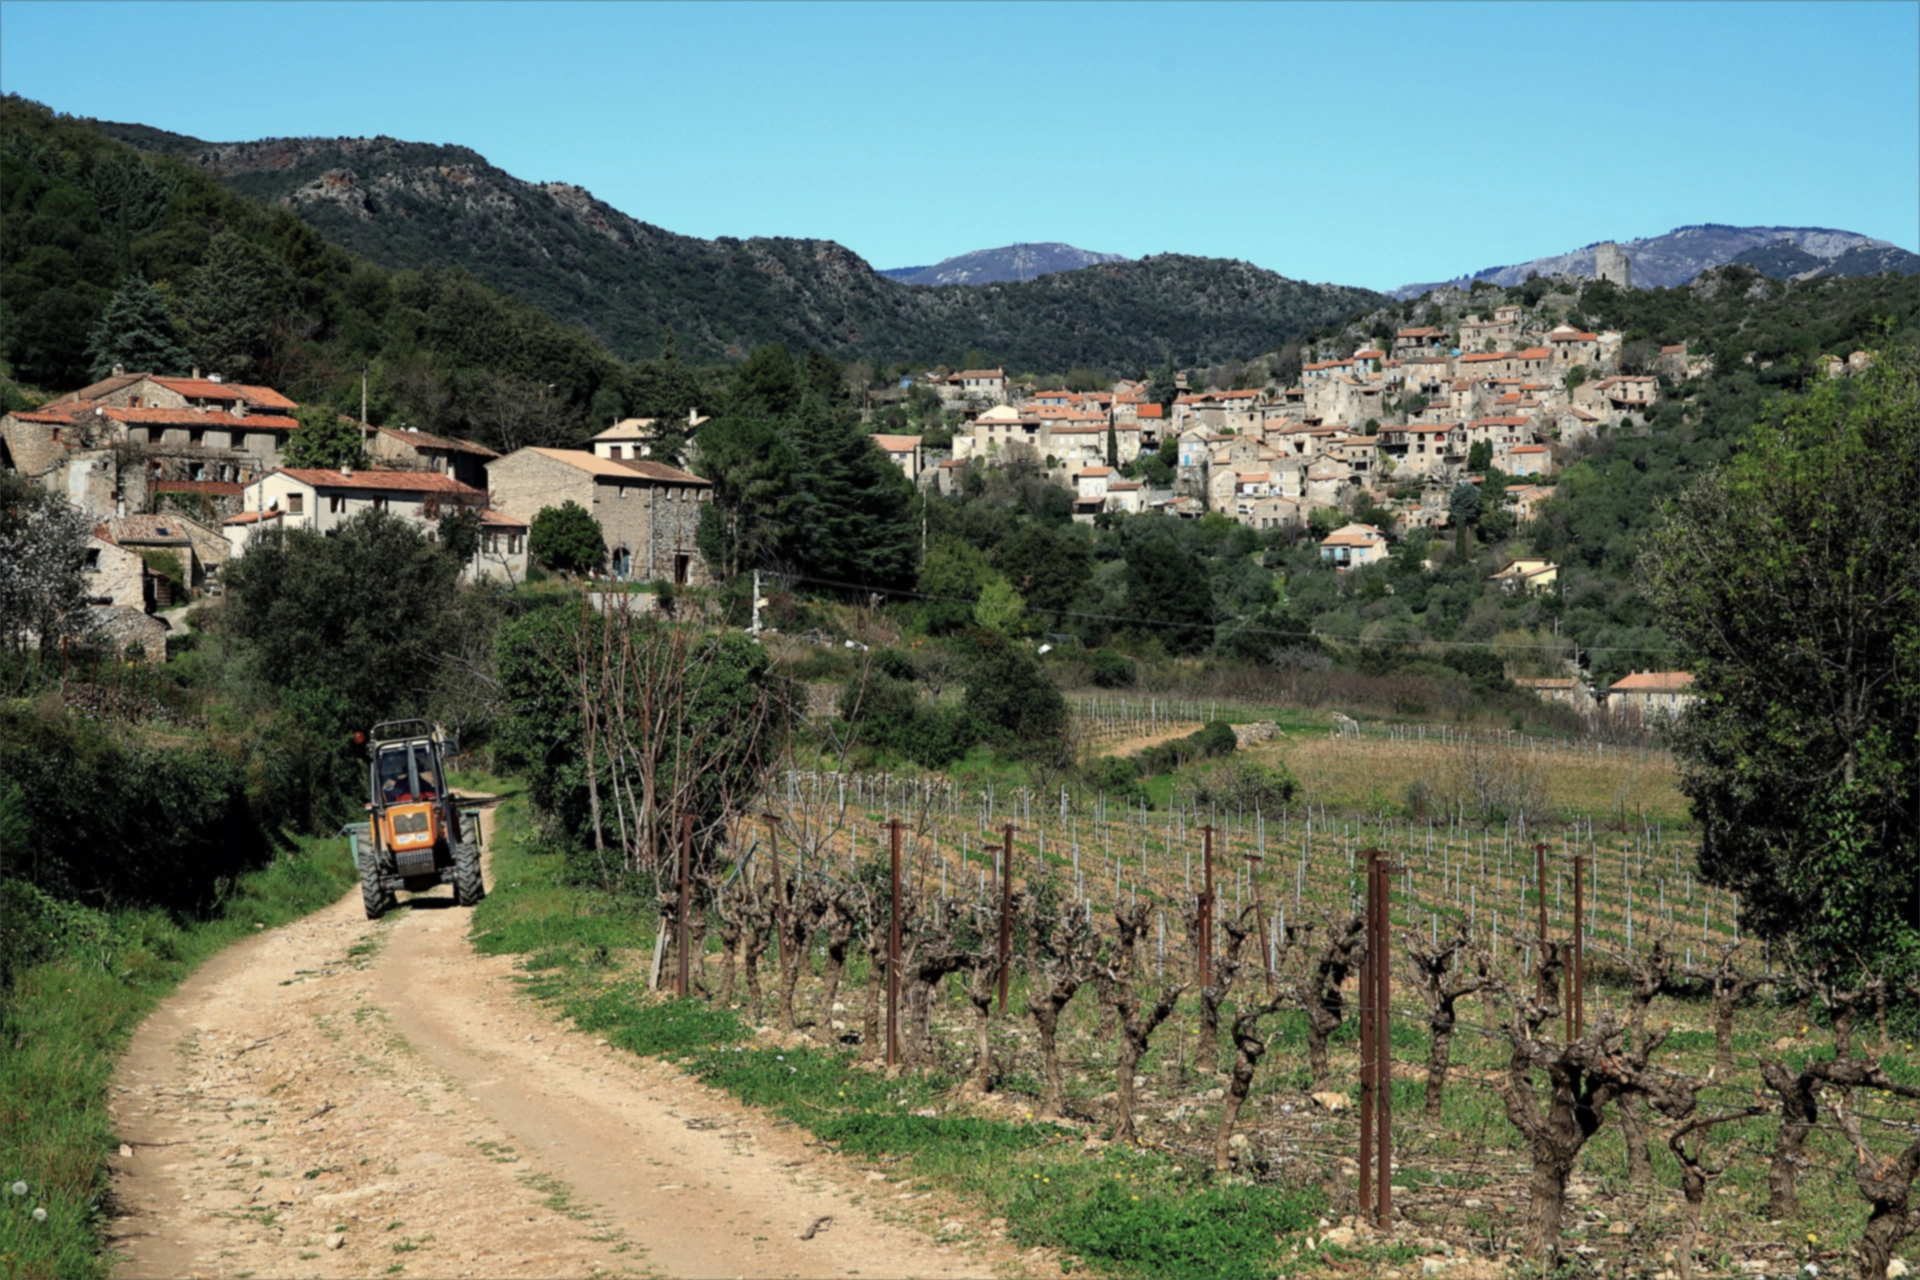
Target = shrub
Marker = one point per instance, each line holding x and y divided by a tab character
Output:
567	538
1113	670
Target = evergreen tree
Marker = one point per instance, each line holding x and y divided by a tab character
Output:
324	440
134	333
230	304
1169	590
751	521
567	538
856	508
1113	445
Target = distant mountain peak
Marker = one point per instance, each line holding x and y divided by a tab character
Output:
999	266
1679	255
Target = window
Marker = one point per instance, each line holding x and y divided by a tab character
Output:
620	490
296	504
336	504
380	503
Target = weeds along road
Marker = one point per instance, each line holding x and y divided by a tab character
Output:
344	1098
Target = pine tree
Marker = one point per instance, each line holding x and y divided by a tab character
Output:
135	333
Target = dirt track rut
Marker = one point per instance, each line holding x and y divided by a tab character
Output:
343	1098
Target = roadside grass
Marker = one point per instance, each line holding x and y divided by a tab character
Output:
1118	1211
65	1022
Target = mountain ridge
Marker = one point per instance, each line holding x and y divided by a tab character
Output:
1674	257
633	284
1023	261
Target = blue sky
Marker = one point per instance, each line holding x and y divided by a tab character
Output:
1371	144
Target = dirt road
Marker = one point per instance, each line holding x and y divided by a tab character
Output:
342	1098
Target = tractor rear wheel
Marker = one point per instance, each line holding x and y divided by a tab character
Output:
377	898
468	888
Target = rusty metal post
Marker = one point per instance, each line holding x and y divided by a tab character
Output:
1369	961
1540	891
683	908
893	952
1006	914
1578	973
779	897
1383	1035
1203	934
1260	919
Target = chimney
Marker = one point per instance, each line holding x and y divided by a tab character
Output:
346	468
196	373
119	371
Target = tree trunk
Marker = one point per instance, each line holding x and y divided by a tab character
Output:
1843	1031
1722	1032
832	968
1634	1130
982	1043
1546	1205
1799	1112
1053	1098
1694	1186
872	1027
1439	1060
1323	1019
1130	1050
1249	1047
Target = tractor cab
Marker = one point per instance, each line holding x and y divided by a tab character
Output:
416	837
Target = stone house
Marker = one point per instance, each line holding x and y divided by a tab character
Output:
1424	340
1527	575
415	450
903	452
1272	511
116	575
1564	690
1128	496
1572	347
200	550
987	385
502	553
1354	545
1645	696
648	512
1525	460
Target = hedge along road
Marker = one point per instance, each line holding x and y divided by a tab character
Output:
344	1098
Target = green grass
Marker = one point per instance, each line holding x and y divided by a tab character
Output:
1122	1212
63	1024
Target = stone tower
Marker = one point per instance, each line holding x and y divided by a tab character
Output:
1611	264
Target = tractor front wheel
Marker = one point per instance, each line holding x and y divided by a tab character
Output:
377	898
468	888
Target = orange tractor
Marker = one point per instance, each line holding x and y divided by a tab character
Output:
415	836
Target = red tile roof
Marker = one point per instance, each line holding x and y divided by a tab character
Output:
662	472
206	389
215	419
421	440
1573	337
1150	411
1653	682
395	481
491	519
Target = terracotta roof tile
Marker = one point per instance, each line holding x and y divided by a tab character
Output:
393	481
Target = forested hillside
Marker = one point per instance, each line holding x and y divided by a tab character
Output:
409	205
256	292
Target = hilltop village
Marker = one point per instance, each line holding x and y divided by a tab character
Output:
1366	435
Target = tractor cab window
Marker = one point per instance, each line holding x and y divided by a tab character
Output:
395	784
423	769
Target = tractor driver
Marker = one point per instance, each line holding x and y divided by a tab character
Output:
393	777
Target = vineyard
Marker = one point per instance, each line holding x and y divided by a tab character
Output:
1197	978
